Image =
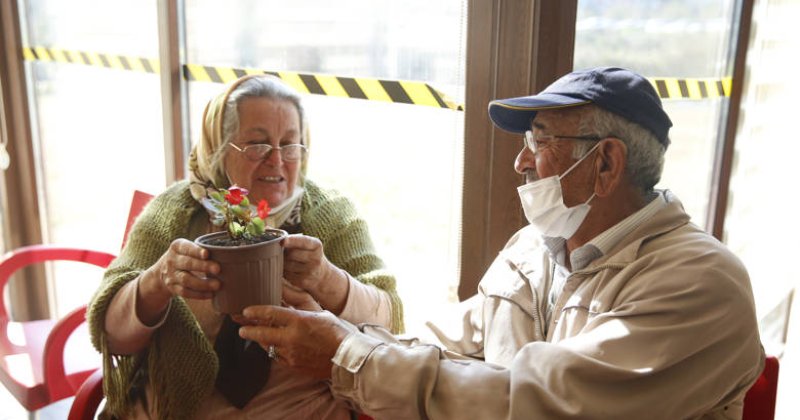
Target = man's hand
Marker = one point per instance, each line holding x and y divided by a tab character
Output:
303	340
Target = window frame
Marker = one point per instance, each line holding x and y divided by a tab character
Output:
514	47
498	66
21	207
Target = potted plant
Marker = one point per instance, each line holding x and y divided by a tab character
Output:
249	253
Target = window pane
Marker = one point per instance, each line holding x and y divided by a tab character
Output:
675	39
99	130
759	226
400	164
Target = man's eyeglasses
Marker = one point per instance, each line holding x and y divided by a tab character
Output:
533	142
256	152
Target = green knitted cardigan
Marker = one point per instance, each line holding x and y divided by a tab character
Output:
181	363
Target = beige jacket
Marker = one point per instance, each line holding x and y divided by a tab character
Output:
662	327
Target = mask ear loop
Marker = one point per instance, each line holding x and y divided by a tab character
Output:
578	162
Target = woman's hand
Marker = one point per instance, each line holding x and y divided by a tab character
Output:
181	271
306	267
296	298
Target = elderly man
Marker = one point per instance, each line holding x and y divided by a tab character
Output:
609	304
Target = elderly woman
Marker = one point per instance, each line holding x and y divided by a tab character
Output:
167	353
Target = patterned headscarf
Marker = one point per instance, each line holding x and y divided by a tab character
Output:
202	173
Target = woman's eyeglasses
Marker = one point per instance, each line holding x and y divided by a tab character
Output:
256	152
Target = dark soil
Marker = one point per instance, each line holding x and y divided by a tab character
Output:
228	241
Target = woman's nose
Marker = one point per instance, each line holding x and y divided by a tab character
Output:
526	161
274	157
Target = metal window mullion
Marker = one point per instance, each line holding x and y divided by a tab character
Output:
173	94
22	226
723	159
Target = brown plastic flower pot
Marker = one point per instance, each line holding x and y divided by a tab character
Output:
250	274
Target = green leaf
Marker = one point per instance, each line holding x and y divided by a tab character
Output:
216	195
236	230
238	212
245	202
256	227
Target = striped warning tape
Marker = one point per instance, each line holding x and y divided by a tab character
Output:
121	62
674	88
397	91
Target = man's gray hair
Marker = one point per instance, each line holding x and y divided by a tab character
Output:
268	87
645	158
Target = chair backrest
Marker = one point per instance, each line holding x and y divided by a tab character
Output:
90	394
759	402
139	200
88	398
48	372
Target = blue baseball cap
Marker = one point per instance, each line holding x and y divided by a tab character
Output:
616	90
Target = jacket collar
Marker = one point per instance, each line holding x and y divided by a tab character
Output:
669	218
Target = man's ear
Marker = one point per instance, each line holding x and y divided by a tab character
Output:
612	158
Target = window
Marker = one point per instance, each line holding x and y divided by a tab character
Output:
684	39
760	222
98	129
400	164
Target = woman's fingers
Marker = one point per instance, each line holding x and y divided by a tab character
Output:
187	284
298	299
192	257
301	242
185	270
304	262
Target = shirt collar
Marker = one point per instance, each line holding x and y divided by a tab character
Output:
604	242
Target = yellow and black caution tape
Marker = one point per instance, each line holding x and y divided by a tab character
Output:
113	61
397	91
675	88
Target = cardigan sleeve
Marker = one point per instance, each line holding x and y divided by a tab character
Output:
345	237
164	219
154	230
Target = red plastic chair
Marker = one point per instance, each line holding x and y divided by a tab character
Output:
36	371
139	200
88	398
759	402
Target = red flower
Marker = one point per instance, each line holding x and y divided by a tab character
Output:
263	209
235	195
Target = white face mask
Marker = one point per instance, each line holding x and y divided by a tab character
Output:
544	206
